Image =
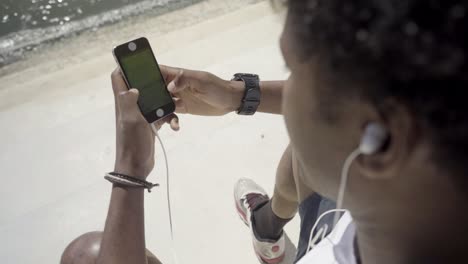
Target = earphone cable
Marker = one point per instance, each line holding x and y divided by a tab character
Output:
155	131
322	233
343	182
341	191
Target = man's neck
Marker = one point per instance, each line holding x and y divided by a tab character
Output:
430	225
376	250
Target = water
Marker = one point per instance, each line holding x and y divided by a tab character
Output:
25	24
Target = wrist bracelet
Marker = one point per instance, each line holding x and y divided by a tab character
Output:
129	181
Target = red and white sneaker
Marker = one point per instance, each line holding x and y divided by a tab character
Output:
249	196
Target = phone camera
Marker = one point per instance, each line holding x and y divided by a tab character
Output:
132	46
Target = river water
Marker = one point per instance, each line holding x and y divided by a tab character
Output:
25	24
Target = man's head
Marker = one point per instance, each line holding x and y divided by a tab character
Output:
402	64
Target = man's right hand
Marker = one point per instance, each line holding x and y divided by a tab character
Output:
202	93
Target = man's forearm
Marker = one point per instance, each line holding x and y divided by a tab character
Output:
272	95
124	234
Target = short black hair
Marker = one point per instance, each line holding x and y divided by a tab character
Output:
414	51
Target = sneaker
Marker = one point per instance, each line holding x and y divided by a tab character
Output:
248	197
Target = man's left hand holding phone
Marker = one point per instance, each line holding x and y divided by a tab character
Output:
123	239
135	138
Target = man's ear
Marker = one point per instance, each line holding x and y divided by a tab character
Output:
402	134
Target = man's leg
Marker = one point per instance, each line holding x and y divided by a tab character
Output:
269	220
289	191
267	217
85	250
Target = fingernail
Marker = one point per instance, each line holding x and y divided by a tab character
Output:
177	78
171	86
123	93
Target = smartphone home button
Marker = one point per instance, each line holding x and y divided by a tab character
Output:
132	46
160	112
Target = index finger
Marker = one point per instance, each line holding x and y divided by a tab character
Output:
169	73
118	82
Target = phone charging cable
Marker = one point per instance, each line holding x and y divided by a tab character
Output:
155	130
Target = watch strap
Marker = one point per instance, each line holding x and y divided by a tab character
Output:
252	94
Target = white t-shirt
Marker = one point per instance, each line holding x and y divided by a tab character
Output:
337	247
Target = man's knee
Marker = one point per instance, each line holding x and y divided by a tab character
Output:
84	249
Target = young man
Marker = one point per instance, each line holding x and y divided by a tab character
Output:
397	65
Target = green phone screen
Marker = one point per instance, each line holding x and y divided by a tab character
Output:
143	73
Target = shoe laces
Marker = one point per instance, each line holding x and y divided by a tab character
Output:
254	200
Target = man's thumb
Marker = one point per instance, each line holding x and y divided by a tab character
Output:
177	84
129	99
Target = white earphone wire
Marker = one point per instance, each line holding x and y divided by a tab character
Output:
312	241
344	181
155	131
373	139
339	205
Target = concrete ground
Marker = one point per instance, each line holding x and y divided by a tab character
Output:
57	141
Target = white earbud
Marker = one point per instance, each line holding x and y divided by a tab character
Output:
374	137
373	140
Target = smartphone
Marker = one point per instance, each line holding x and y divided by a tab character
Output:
141	71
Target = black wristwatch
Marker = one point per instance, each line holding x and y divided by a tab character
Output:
252	94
